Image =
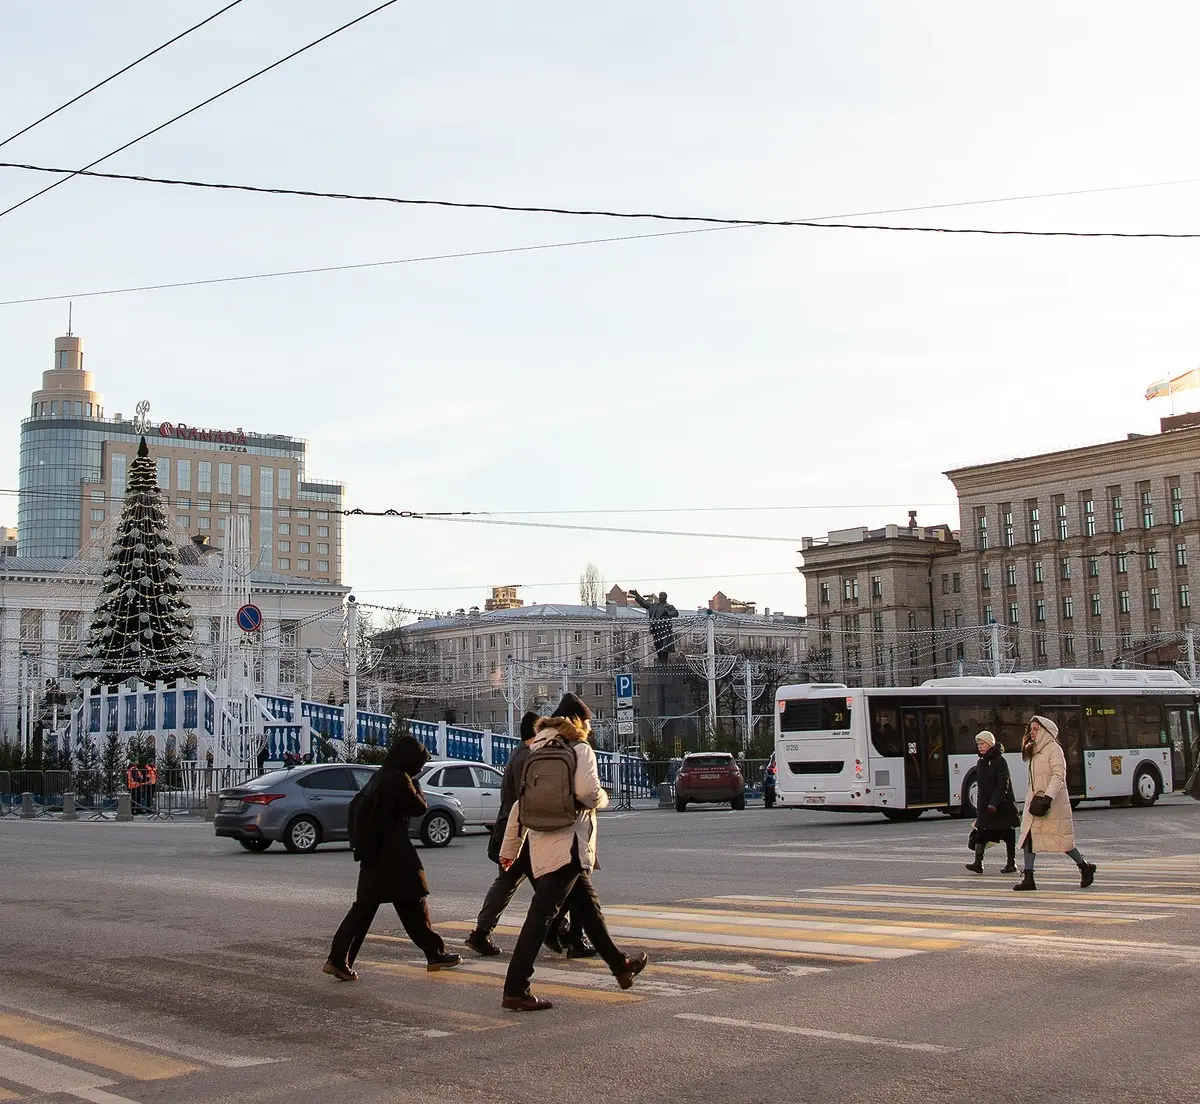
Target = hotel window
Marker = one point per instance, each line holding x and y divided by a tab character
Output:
95	532
323	550
1035	525
285	546
1176	505
1014	614
221	524
163	473
283	511
245	484
1009	540
184	521
1097	645
1039	613
877	621
1041	645
322	530
204	476
1037	572
203	503
1010	573
64	359
302	514
302	547
1118	514
223	507
285	482
285	529
183	475
1093	567
987	615
981	529
322	515
1123	601
1122	563
1151	559
54	408
877	586
1147	510
985	579
97	515
225	479
1064	568
203	523
302	530
1154	600
824	594
1060	511
1068	607
1069	644
1181	554
117	469
1185	596
284	564
1095	605
322	565
1089	517
302	565
96	496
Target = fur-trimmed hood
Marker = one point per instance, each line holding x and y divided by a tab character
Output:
565	728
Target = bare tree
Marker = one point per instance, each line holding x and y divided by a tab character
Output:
591	586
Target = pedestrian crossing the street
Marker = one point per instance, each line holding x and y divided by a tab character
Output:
700	945
40	1056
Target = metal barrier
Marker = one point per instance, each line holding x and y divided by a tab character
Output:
7	807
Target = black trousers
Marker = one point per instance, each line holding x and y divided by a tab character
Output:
414	915
502	891
552	892
1006	836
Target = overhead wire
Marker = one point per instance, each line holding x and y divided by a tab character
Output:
120	72
72	173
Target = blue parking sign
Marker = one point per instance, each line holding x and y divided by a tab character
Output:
624	687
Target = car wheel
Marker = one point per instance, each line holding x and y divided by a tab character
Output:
680	804
1145	788
302	835
902	814
437	830
256	845
970	805
739	803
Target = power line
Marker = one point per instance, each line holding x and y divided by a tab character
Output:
119	72
197	107
713	220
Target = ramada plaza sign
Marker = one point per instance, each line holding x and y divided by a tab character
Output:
191	433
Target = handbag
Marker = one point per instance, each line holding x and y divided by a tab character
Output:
1039	804
973	839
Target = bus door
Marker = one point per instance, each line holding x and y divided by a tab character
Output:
1184	734
1070	737
926	776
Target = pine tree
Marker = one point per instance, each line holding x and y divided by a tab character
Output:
112	763
141	626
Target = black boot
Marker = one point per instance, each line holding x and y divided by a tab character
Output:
977	865
1087	874
1026	881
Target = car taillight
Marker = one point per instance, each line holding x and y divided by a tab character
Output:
261	799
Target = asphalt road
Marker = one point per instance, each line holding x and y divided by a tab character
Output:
795	956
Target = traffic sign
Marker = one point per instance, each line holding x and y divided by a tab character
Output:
249	618
624	688
624	728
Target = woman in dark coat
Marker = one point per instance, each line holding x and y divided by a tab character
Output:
390	869
997	818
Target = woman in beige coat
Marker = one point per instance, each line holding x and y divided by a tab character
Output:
1054	831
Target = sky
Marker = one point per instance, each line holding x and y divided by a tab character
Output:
766	382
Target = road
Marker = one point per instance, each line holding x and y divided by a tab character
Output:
795	956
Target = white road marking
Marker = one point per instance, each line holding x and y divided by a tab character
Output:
988	905
582	979
814	1033
35	1072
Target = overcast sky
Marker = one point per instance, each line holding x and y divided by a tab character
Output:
834	372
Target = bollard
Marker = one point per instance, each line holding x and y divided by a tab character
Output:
210	807
27	810
666	796
69	812
124	808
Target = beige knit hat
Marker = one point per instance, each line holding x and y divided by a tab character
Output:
985	737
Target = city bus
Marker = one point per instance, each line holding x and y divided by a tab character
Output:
1128	736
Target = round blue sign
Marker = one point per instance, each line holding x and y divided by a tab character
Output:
249	618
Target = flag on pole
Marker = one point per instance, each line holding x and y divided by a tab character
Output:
1177	383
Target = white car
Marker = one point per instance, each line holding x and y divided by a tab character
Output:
474	785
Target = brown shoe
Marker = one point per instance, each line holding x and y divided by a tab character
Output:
527	1003
342	973
633	966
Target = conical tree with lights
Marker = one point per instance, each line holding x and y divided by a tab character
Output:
141	626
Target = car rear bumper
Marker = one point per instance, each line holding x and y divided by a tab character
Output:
727	793
239	826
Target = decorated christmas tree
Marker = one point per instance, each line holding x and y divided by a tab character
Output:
141	626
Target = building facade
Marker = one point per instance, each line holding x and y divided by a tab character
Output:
74	460
1076	558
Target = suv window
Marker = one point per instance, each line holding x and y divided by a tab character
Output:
458	776
708	762
484	776
338	778
362	775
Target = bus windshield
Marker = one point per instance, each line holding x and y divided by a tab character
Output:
815	715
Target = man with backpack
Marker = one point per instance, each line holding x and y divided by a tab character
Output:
555	818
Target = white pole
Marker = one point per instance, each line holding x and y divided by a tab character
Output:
711	669
308	674
512	701
749	674
351	721
564	681
995	631
1191	652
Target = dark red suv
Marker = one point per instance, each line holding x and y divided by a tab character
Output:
709	776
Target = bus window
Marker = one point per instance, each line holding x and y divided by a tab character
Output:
1103	725
814	715
969	717
885	731
1144	723
1011	718
1071	739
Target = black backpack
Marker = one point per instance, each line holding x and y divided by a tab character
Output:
362	817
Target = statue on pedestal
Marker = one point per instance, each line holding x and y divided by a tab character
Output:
661	612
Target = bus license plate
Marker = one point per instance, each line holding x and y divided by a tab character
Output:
814	799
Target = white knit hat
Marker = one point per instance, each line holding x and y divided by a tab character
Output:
985	737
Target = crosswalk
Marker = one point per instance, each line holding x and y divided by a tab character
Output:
708	943
38	1056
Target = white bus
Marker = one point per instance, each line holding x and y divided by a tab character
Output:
1128	737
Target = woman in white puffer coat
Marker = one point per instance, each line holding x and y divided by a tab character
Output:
1054	830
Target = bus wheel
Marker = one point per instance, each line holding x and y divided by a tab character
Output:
1075	803
970	805
902	814
1145	788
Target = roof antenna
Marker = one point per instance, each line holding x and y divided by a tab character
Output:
70	311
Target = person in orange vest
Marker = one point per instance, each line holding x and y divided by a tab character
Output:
133	783
150	778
